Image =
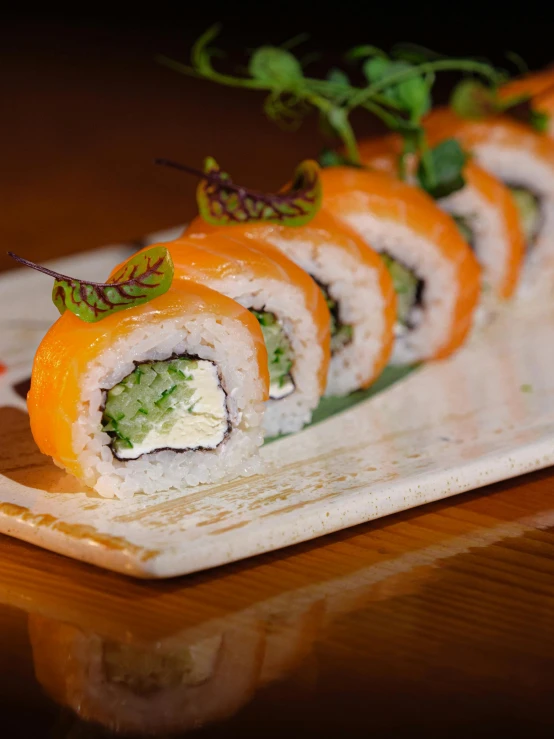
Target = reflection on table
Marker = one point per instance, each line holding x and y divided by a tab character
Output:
126	674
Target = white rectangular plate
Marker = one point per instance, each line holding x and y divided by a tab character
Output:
487	414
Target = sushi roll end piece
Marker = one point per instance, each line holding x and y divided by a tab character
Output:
286	303
160	396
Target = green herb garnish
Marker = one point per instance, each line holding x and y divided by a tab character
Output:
397	91
441	173
223	203
144	277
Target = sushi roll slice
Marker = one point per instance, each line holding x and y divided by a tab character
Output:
483	209
436	275
524	161
288	306
156	688
156	397
354	282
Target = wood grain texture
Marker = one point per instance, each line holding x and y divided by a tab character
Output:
437	621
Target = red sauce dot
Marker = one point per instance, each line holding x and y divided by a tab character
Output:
3	368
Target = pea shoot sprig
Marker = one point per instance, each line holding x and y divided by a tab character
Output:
397	91
396	87
440	168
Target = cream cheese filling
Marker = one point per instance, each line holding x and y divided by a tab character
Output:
183	408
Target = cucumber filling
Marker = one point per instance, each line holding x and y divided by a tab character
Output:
173	404
279	355
145	672
409	294
341	333
530	212
465	228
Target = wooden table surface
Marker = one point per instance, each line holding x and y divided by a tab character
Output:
438	620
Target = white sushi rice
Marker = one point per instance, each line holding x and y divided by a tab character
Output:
356	289
519	166
287	303
491	240
433	321
225	342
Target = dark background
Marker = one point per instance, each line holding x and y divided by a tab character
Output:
85	107
470	27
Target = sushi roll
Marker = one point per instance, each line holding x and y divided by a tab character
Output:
524	161
156	688
436	275
288	306
158	396
354	282
483	209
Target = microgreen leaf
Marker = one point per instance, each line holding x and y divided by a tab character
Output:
411	95
472	99
337	76
442	173
380	68
144	277
414	96
223	203
275	66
